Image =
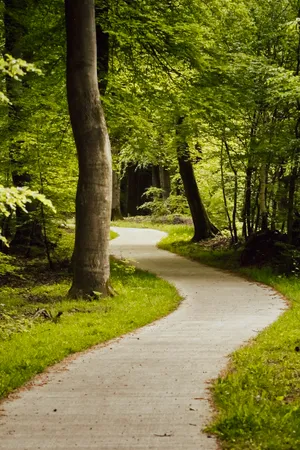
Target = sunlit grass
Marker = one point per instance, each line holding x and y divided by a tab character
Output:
258	399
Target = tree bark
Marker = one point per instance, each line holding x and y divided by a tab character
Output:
262	198
295	170
203	229
132	200
116	213
235	197
291	202
102	39
155	177
94	190
103	49
165	182
247	227
224	194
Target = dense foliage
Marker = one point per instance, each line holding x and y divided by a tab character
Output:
215	85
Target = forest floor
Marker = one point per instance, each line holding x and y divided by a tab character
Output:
149	389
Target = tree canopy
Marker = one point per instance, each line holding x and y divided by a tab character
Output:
202	104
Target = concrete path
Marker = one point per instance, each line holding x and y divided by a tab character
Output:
147	390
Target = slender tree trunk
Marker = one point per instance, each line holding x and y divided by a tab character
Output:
235	196
102	38
275	201
291	201
295	171
247	226
274	214
155	177
224	193
262	198
132	201
116	197
165	182
256	219
203	229
94	191
248	223
293	183
103	49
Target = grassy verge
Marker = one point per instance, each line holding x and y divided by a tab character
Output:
39	325
258	399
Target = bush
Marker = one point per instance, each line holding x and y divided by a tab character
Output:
158	206
270	248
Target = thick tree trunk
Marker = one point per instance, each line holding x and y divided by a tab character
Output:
94	191
203	229
202	226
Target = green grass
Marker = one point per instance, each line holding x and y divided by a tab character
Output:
113	235
258	398
28	346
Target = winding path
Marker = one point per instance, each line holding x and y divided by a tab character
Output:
147	390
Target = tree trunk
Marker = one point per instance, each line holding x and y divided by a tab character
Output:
155	177
262	198
274	213
235	197
247	227
102	39
132	201
295	171
165	182
202	226
94	190
203	229
291	201
224	195
116	197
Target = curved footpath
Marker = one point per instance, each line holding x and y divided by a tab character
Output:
147	390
